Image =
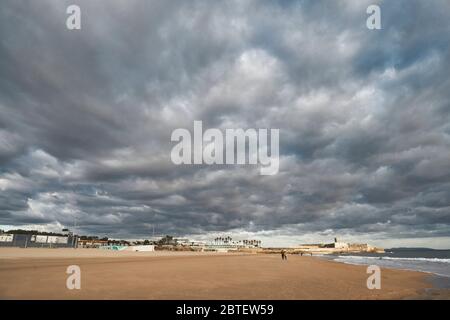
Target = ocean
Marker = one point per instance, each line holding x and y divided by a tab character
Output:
427	260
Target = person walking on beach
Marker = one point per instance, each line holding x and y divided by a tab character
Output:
283	255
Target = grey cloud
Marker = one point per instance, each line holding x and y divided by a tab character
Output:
86	116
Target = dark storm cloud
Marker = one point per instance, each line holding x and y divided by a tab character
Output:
364	116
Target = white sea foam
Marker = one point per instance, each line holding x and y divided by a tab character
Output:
396	258
438	266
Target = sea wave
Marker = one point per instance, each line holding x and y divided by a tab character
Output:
396	258
437	266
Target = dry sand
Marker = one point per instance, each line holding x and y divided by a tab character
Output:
41	274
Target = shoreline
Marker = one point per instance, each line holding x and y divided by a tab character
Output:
429	273
41	274
440	284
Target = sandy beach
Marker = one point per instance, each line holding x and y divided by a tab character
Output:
41	274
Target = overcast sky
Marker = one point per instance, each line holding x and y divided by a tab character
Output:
364	116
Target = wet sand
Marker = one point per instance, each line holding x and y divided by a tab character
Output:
41	274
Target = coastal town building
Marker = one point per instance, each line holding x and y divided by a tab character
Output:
336	247
26	239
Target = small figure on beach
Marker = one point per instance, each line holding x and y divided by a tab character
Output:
283	255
